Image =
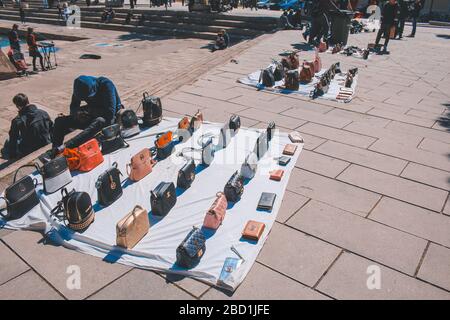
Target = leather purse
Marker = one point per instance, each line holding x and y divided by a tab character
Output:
191	249
129	123
78	213
235	123
270	131
276	174
289	149
196	121
186	175
132	228
295	137
111	139
234	188
317	63
291	62
184	123
164	145
141	165
163	198
292	80
20	197
266	201
109	187
306	74
322	46
278	72
55	174
216	212
253	230
250	165
152	108
267	78
261	145
85	157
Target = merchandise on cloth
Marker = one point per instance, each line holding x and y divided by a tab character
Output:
157	249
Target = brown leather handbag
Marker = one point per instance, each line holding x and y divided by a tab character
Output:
216	213
306	74
141	165
132	228
196	120
317	62
291	62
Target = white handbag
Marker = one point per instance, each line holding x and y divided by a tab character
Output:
250	165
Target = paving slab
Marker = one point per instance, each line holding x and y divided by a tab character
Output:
419	131
315	117
11	265
348	278
297	255
321	164
435	146
263	283
56	264
430	176
4	232
396	187
28	286
370	239
435	267
290	204
194	287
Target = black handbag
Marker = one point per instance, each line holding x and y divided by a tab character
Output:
76	208
235	123
234	188
152	110
186	175
192	249
20	197
270	131
111	139
55	174
278	72
267	78
163	198
109	187
261	145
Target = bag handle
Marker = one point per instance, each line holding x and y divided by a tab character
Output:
21	167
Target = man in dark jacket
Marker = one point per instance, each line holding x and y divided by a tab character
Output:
102	104
418	6
320	20
388	17
13	37
30	130
403	14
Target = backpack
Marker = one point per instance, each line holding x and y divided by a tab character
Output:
267	78
152	110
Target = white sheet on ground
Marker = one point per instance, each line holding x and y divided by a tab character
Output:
156	250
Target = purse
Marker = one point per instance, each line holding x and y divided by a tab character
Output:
276	174
267	78
111	139
261	145
78	213
164	145
250	165
132	228
129	123
234	188
141	165
20	197
208	152
253	230
216	212
306	74
184	123
317	62
278	72
291	80
186	175
109	187
196	121
191	249
152	110
163	198
291	62
55	174
270	131
234	123
85	157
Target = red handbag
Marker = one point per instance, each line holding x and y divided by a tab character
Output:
85	157
216	213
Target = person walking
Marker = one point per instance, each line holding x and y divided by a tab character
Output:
418	6
388	16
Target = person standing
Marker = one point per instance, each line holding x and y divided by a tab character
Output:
320	21
402	15
418	6
13	36
34	50
22	13
388	16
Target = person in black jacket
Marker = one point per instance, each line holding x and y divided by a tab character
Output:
418	6
388	17
102	104
30	130
402	15
320	21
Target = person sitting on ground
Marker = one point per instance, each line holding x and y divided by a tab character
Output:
102	104
34	50
222	40
284	21
30	130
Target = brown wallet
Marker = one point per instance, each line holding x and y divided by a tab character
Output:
289	149
276	174
253	230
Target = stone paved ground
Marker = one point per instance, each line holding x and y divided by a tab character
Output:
370	188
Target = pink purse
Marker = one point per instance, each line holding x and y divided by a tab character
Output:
216	213
317	63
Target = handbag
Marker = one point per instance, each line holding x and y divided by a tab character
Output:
291	80
20	197
306	74
250	165
152	110
129	123
196	121
186	175
77	210
85	157
235	123
109	187
111	139
291	62
216	212
234	188
164	145
141	164
191	249
270	131
261	145
207	152
132	228
267	78
163	198
278	72
317	62
55	174
322	46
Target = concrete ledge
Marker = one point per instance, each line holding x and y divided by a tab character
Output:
48	35
439	23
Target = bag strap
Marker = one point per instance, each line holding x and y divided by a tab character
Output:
24	166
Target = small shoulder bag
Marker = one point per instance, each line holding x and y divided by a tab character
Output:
109	187
191	249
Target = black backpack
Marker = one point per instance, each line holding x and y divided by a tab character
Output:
267	77
109	187
152	110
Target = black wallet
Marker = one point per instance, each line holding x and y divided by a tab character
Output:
266	201
283	160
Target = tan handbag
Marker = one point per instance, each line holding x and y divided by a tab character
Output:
306	74
141	165
317	62
132	228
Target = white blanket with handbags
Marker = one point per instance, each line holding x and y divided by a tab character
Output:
157	250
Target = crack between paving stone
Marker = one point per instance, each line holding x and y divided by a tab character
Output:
328	269
421	259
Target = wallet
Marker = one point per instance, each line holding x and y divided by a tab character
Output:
276	174
295	137
283	160
253	230
266	201
289	149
